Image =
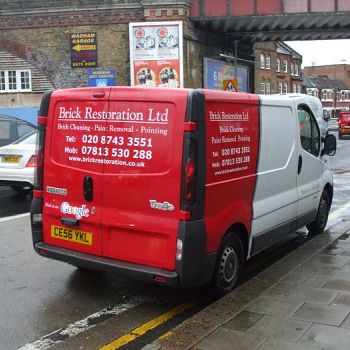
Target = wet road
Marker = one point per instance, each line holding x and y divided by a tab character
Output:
48	304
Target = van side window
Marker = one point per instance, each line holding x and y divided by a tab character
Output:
309	132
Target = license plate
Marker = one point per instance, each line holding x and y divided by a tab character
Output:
11	159
71	235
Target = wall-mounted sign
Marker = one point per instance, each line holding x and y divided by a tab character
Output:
230	85
156	54
215	72
101	77
83	50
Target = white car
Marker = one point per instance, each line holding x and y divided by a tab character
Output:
17	164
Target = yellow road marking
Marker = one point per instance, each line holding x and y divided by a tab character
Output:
166	335
139	331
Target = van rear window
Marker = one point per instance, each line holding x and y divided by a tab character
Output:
116	137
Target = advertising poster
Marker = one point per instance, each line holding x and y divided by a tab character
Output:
156	54
215	72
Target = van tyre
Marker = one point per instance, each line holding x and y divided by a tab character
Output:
228	264
320	222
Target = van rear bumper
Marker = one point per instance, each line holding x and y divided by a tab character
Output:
89	261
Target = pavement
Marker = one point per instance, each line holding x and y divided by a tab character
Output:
302	302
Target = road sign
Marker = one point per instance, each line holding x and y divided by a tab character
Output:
230	85
83	47
101	77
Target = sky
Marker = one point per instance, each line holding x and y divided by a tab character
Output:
322	52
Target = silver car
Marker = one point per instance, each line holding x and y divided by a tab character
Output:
18	162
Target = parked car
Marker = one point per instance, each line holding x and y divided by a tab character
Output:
344	124
12	128
333	124
17	163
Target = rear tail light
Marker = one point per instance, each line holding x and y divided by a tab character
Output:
179	249
39	156
189	175
32	162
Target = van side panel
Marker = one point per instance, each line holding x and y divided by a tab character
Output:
232	153
275	198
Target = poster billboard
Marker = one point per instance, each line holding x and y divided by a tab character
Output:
156	54
216	71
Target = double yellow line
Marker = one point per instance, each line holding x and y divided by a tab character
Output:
148	326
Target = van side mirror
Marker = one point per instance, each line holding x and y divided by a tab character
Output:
330	145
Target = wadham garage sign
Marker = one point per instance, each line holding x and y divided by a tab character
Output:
83	48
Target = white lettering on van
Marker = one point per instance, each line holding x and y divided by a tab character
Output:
215	140
158	116
71	113
161	206
70	150
223	116
79	212
124	115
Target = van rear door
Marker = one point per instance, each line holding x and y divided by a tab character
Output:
73	167
142	175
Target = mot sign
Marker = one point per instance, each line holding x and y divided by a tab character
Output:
83	50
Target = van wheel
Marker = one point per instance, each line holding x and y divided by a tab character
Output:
320	222
228	264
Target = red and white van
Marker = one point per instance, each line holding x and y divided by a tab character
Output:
176	186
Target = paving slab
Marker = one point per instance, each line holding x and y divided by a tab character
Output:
302	292
279	328
338	284
225	339
327	337
273	344
324	314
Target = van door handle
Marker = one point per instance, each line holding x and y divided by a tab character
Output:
88	188
70	222
300	164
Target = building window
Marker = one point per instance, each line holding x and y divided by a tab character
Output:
262	87
327	95
292	68
278	65
2	80
15	80
268	87
25	80
285	88
312	91
296	69
285	66
299	89
280	87
294	87
262	61
268	62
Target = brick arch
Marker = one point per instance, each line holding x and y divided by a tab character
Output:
36	59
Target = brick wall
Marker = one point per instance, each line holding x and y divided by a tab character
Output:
39	32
